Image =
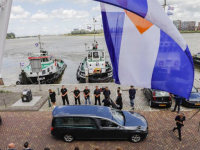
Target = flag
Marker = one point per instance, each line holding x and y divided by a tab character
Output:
169	13
21	64
36	44
145	48
89	28
170	8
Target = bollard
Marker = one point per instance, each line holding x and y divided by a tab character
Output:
58	91
4	102
49	102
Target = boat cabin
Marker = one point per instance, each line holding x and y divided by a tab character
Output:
96	61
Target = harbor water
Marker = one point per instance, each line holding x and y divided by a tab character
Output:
69	48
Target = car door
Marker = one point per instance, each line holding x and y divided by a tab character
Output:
79	127
112	130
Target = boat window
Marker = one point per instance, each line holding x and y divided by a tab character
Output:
43	71
75	122
51	67
90	55
95	55
48	69
102	55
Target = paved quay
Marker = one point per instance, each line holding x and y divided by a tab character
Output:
19	127
34	126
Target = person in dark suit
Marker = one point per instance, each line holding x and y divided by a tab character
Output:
119	101
64	95
27	146
11	146
178	100
106	92
77	96
132	93
97	94
107	102
52	95
179	123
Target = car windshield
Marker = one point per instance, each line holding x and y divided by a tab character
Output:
161	93
118	116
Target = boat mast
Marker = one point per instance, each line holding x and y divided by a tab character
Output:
94	21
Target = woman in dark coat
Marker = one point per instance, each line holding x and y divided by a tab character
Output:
52	95
119	101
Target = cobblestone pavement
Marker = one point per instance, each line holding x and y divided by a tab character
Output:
34	127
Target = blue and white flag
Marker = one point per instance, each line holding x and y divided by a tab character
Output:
169	13
21	64
36	44
145	48
89	28
170	8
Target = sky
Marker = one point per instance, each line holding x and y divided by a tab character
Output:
47	17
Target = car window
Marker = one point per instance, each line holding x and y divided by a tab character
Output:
161	93
78	122
117	116
106	123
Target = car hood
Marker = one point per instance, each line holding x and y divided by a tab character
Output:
194	97
134	119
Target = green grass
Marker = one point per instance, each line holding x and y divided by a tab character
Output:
2	91
83	34
189	31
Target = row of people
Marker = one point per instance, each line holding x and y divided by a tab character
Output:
97	93
27	146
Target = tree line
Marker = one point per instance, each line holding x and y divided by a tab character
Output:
10	36
100	31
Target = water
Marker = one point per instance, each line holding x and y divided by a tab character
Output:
70	48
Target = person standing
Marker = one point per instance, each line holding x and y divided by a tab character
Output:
106	92
178	102
52	96
11	146
132	93
118	91
119	101
64	95
86	94
77	96
97	94
107	102
27	146
179	123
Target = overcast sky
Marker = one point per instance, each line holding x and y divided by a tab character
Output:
33	17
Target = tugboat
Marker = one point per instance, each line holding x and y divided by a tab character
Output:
196	58
95	66
52	68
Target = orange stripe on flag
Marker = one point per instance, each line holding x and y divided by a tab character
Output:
141	24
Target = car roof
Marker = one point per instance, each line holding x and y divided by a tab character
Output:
82	110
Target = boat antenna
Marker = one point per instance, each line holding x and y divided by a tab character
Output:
40	43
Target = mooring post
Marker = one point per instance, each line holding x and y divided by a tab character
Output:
86	75
58	91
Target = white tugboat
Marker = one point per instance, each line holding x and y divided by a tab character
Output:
95	65
52	69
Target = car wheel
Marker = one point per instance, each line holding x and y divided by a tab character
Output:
68	138
150	103
136	138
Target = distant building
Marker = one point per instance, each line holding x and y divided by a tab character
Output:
198	26
76	29
177	23
185	25
191	25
